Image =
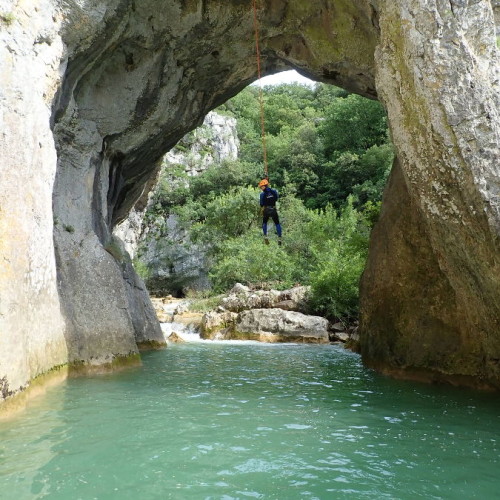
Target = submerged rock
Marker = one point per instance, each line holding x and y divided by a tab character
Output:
175	338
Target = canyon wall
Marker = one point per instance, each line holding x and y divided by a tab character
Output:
94	93
31	325
430	294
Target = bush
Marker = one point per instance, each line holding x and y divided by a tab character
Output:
340	247
141	269
230	215
247	260
202	301
335	285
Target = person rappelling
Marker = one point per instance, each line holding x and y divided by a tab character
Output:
269	196
268	199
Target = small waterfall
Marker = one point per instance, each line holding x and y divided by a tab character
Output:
189	333
174	317
171	313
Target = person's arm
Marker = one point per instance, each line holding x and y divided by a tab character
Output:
262	199
276	194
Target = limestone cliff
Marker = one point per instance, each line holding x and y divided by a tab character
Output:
430	294
32	62
160	243
93	93
214	141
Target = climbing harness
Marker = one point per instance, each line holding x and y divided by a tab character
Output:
261	99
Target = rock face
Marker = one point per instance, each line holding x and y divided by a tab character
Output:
94	93
430	305
131	229
32	329
266	325
282	326
214	141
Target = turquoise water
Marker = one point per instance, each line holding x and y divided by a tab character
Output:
238	421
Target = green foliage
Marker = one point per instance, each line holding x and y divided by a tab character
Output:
247	260
329	157
228	216
363	175
324	141
371	212
335	284
353	124
340	260
219	179
203	302
374	168
142	269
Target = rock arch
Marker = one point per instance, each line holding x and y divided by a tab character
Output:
97	92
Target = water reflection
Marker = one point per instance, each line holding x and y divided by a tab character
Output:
28	441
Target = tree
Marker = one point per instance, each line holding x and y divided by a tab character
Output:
353	124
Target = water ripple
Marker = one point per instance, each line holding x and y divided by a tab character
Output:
233	421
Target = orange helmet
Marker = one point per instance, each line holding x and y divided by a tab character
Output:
263	182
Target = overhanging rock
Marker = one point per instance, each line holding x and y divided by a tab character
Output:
94	93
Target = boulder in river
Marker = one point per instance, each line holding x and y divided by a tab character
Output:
278	325
175	338
212	323
265	325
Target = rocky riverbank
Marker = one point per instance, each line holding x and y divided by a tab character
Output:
262	315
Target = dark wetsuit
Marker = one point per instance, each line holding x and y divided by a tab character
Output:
268	199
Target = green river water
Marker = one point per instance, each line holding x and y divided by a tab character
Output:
245	420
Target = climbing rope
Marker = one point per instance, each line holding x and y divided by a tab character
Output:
261	98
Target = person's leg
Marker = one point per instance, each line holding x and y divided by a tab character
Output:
265	219
277	225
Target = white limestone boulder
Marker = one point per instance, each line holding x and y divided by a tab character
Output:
278	325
